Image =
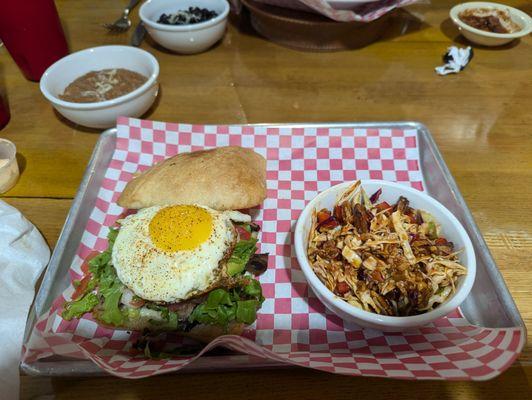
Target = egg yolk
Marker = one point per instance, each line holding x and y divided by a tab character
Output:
180	228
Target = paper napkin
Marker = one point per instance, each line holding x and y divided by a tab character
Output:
23	256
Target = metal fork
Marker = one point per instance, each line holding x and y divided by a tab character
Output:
123	23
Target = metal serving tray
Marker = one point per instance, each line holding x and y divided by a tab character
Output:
489	303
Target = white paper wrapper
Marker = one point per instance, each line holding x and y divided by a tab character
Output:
456	59
361	12
23	256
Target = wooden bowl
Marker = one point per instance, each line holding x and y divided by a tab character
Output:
307	31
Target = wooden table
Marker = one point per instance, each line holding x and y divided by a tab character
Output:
480	119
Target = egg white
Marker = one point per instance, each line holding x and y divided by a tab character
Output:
157	275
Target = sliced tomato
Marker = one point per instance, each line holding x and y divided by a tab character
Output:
85	267
82	287
243	234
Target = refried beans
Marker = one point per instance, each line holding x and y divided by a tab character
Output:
102	85
489	20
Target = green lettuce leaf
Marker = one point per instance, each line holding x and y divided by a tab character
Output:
110	288
76	308
242	252
111	237
103	259
222	307
246	311
111	313
171	319
253	289
100	261
217	297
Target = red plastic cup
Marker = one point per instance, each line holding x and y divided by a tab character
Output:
4	113
32	33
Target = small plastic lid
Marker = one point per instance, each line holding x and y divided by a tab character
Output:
9	171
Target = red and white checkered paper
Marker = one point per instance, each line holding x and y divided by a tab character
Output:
292	326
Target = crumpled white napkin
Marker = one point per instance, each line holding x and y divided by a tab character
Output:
23	256
455	60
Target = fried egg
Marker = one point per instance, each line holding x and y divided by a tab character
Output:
171	253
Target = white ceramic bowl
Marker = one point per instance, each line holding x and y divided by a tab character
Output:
185	39
489	38
102	114
452	230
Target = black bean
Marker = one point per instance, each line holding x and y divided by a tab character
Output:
193	15
361	274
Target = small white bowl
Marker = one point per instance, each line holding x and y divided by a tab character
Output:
102	114
452	230
9	171
185	39
489	38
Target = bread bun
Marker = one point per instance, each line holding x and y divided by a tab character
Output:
202	332
207	333
225	178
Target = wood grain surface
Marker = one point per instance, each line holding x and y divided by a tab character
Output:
480	119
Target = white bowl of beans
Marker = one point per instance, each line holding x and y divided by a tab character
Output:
490	24
93	87
163	20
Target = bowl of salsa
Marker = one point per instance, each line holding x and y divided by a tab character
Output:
490	24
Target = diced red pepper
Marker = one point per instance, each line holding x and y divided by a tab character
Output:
441	241
382	206
323	216
338	213
377	276
330	223
342	288
82	287
326	219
